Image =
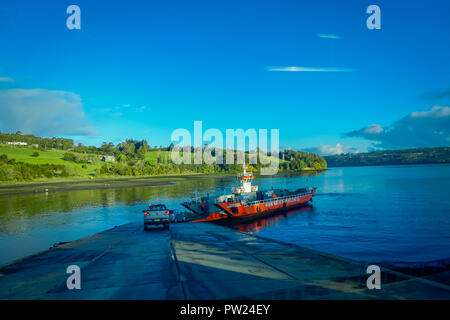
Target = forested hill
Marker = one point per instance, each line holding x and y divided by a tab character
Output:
407	156
28	158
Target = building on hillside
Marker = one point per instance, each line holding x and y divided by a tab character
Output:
108	159
17	143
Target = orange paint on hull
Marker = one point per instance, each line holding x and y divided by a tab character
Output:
237	209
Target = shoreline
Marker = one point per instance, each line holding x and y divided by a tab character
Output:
61	185
99	183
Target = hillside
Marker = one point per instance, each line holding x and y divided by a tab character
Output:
389	157
31	158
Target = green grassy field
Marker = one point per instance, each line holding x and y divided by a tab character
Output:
55	156
51	157
152	156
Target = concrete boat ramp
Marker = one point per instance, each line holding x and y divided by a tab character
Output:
202	261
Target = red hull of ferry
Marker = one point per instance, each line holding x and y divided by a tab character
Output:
239	211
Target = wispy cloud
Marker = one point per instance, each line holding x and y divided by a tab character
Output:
310	69
119	111
328	36
7	79
328	150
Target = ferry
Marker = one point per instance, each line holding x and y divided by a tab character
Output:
247	202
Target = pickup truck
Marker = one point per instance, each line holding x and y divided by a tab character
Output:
157	215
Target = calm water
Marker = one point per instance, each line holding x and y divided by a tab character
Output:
389	213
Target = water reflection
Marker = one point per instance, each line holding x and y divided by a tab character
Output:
30	223
28	205
255	226
18	207
392	213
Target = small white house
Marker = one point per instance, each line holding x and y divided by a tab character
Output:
17	143
108	159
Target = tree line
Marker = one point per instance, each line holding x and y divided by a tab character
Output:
298	160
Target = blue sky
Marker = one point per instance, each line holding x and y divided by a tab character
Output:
140	69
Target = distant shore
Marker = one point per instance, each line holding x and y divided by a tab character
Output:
391	157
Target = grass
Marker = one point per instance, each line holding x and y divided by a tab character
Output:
24	155
152	156
51	157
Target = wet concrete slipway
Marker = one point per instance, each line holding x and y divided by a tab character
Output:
202	261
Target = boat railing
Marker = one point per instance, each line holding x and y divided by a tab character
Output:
248	173
195	200
277	199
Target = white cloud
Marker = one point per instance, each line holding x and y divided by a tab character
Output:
418	129
328	150
43	112
6	79
310	69
373	128
435	112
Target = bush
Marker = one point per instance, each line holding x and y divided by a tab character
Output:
48	174
35	154
69	156
4	158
